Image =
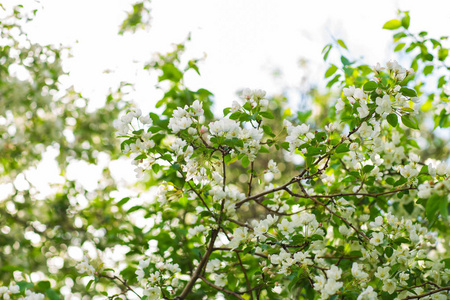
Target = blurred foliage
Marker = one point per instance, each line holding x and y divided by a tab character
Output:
37	115
137	18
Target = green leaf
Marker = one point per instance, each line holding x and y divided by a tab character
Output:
432	207
401	181
235	115
11	268
43	285
368	168
342	44
156	168
331	70
345	61
443	208
267	114
135	208
409	122
442	54
428	69
392	24
313	151
123	201
183	201
264	150
23	285
89	284
399	47
268	130
392	119
333	81
370	86
326	51
245	161
342	148
389	251
408	92
405	21
52	295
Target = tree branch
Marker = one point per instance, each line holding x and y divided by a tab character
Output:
220	288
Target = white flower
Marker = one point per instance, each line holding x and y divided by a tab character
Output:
368	294
272	167
139	172
358	273
348	92
344	230
446	88
353	146
384	105
259	94
153	293
334	273
145	119
382	273
393	65
363	110
377	238
340	105
389	286
319	283
377	68
221	280
246	94
378	222
85	267
235	106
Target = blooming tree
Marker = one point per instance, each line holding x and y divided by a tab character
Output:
362	215
350	202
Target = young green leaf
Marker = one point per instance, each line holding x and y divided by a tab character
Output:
392	119
392	24
409	122
331	70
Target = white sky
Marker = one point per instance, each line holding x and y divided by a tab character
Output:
244	40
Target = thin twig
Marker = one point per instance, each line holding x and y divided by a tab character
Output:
221	288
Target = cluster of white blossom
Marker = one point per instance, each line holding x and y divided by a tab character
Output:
329	285
253	97
125	124
297	135
84	267
183	118
13	292
6	292
442	187
141	143
159	274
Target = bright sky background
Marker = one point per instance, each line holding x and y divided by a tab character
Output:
245	41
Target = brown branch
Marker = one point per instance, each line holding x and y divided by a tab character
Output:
359	194
238	251
249	287
221	288
427	294
282	187
327	208
123	282
250	179
187	289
